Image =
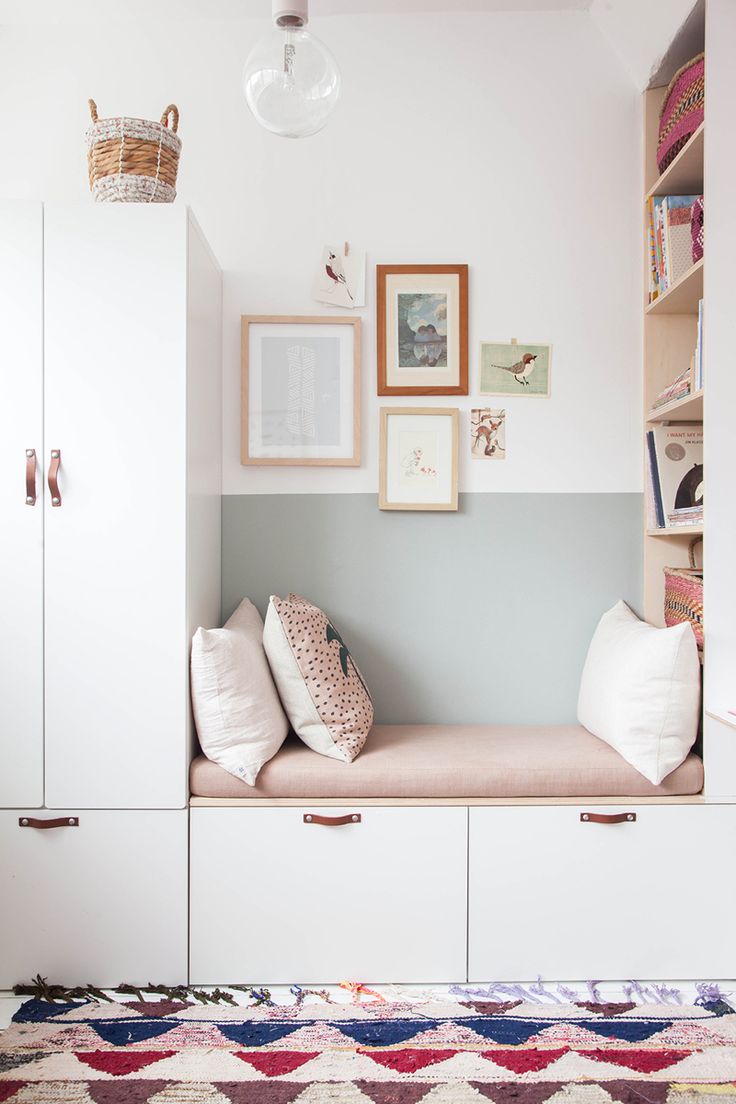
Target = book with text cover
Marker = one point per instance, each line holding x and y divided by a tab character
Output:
679	467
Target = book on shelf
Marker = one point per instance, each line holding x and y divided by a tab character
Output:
698	360
678	389
674	475
670	241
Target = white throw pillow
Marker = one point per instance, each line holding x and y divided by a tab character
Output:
640	691
239	718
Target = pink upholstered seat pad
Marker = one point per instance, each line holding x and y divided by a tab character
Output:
439	761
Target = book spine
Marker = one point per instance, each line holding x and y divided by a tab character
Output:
654	474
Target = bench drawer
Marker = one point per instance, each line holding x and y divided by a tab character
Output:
554	896
280	900
102	902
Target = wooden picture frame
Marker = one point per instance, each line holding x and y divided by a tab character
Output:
294	392
405	294
418	468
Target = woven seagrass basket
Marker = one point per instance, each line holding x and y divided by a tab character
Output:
133	160
683	595
683	110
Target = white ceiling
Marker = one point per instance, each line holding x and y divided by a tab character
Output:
51	11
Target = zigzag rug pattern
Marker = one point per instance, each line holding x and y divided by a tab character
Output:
444	1052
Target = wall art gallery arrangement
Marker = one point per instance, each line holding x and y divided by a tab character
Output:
301	380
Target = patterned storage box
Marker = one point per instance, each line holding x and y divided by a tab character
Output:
696	229
683	110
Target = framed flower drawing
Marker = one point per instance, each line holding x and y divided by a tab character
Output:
300	397
418	458
422	329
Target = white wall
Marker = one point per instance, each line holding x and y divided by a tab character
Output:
640	31
507	141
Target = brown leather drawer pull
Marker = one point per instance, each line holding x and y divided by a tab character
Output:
608	818
314	818
57	822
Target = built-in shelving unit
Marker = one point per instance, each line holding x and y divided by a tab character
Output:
670	333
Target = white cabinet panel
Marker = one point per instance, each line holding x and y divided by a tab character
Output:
553	897
115	573
276	900
21	525
104	902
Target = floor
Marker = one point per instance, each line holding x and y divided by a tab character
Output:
670	992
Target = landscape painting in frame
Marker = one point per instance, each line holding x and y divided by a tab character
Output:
513	369
418	459
300	391
422	329
488	434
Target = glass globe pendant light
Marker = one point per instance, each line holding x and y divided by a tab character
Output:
291	80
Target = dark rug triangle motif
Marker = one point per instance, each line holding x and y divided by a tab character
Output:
718	1008
260	1092
14	1060
506	1030
610	1009
516	1092
36	1011
637	1092
382	1092
157	1009
10	1088
256	1034
490	1008
629	1031
384	1032
124	1032
124	1092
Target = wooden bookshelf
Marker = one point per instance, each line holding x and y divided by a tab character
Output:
683	296
689	408
678	531
684	176
670	333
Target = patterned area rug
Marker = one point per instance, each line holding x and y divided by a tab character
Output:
395	1052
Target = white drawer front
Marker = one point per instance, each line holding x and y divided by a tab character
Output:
553	897
104	902
274	899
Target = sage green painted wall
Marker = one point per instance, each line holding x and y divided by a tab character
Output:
483	615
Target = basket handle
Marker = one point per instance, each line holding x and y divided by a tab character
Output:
172	110
93	110
691	551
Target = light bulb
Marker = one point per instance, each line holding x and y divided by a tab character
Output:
291	80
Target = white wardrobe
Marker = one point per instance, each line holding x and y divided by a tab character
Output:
110	454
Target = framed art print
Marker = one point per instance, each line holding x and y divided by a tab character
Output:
300	390
418	458
422	329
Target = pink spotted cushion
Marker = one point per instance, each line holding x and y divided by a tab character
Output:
320	686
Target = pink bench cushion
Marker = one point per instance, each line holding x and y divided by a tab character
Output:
439	761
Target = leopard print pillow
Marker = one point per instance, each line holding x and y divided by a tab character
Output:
322	690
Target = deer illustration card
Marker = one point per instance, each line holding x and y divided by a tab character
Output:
340	279
488	434
514	369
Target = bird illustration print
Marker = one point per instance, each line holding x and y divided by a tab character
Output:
522	369
334	270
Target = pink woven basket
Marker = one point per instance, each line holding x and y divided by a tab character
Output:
683	110
683	595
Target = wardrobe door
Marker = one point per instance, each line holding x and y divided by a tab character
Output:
21	503
115	409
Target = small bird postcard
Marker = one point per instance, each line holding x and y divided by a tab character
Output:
340	281
514	369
